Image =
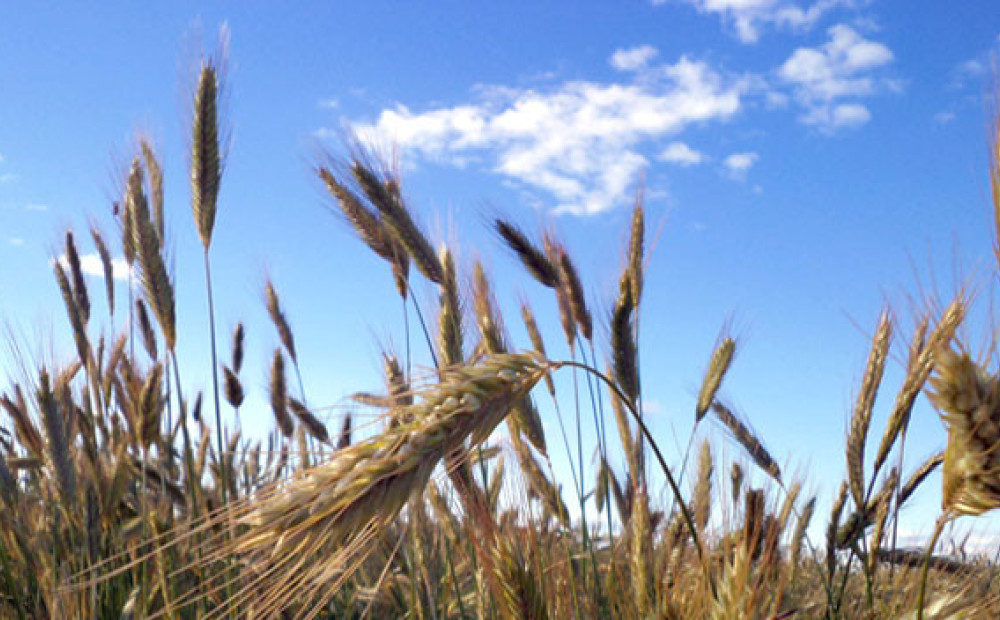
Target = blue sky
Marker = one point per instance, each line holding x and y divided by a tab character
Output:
804	163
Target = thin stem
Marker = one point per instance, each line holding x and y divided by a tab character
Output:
182	421
685	511
423	326
215	380
938	528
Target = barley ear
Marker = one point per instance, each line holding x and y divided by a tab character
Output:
531	325
108	267
155	170
206	156
623	346
239	335
146	328
450	313
152	270
232	387
367	224
748	440
702	503
73	311
388	200
722	358
861	418
279	395
968	398
533	259
570	279
636	248
57	444
310	422
280	320
76	272
899	419
832	528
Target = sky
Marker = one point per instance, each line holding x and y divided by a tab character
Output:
805	164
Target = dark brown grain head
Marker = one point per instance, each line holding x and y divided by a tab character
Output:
570	279
279	395
309	421
155	170
76	273
397	217
153	273
107	265
280	320
533	259
239	335
206	152
232	387
146	328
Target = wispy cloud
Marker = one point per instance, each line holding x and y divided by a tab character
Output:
633	58
739	164
944	117
681	154
581	142
746	18
91	265
828	81
15	241
7	177
36	207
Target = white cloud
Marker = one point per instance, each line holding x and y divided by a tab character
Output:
329	104
681	154
7	177
747	17
91	265
844	115
36	207
738	164
842	68
15	241
633	58
581	142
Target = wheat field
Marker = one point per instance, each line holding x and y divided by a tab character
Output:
122	495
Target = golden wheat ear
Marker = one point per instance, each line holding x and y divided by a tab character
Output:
968	397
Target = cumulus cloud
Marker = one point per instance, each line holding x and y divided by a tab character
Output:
738	164
580	142
681	154
747	17
842	68
631	58
91	265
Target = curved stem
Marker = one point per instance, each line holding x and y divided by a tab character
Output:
938	528
674	488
